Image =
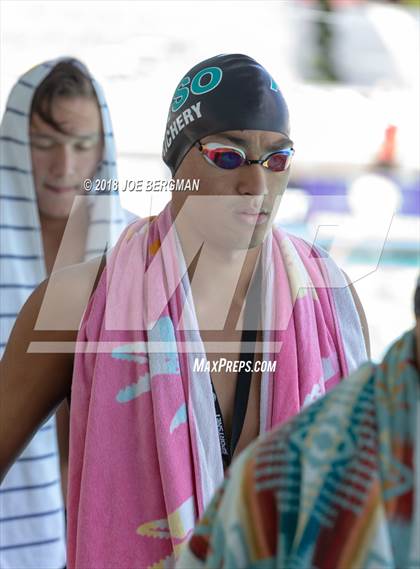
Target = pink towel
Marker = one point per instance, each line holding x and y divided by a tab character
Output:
145	455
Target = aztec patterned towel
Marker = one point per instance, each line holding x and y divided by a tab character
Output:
338	486
145	456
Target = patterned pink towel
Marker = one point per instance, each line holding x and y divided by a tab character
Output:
145	455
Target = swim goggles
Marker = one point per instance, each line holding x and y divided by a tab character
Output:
230	157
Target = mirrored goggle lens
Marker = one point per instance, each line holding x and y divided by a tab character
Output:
279	161
224	157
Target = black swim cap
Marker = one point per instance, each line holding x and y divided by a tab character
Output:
226	92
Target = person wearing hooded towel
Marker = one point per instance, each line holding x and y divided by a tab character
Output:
206	328
55	133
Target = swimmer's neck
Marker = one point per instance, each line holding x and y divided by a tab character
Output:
216	270
227	273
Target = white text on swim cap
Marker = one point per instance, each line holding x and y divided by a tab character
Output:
181	122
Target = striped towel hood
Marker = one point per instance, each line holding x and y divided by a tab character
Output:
22	265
